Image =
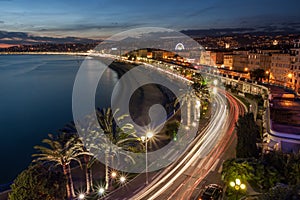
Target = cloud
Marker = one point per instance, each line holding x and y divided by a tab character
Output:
1	22
202	11
82	27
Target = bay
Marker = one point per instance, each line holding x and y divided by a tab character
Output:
36	99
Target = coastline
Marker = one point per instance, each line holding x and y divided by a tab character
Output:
120	68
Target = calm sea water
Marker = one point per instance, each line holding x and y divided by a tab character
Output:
36	99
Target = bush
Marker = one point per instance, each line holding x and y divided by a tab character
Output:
37	182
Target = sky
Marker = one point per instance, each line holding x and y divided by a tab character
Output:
102	18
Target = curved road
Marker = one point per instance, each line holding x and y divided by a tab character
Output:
182	177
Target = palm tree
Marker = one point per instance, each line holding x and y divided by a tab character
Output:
200	87
87	158
107	120
61	153
186	98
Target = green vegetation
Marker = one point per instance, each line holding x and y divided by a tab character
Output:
267	173
61	151
247	134
39	182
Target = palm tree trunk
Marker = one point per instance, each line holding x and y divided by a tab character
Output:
68	188
71	181
91	178
87	173
188	112
106	170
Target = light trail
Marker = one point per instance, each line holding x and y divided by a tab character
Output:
215	139
204	144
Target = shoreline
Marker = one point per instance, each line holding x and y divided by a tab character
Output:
47	53
120	68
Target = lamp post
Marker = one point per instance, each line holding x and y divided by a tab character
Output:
237	186
145	139
291	82
268	75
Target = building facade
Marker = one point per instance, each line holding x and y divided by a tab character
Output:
280	72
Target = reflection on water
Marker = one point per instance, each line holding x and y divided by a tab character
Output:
36	99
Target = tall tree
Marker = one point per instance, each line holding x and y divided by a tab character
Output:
70	130
117	135
247	134
61	153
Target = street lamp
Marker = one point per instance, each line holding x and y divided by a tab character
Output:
101	191
81	196
145	139
122	179
113	174
237	185
268	75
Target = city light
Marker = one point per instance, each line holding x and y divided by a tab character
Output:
101	191
232	184
237	186
81	196
122	179
290	75
114	174
149	134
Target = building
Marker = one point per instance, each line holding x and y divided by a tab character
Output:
217	57
240	61
295	66
228	61
280	72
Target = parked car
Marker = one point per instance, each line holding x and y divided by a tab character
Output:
212	192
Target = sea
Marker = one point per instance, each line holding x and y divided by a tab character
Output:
35	100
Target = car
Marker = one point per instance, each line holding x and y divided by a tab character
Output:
212	192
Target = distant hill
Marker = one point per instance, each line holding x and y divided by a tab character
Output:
263	30
17	38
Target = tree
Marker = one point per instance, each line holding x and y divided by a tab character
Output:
71	131
186	98
38	182
61	153
281	192
258	74
117	135
247	134
293	166
233	169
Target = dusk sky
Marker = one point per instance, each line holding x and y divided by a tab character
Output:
102	18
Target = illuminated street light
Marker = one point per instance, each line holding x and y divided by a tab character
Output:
122	179
81	196
290	75
114	174
237	185
101	191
